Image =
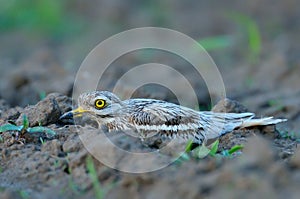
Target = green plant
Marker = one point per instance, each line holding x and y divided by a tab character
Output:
188	146
251	29
276	103
24	194
56	164
42	95
232	151
202	151
74	187
42	140
99	192
49	17
290	135
67	167
23	129
216	42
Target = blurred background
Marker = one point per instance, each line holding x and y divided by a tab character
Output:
254	43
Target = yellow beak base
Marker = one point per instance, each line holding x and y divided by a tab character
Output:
74	113
78	112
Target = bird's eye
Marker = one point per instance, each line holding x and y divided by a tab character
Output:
100	103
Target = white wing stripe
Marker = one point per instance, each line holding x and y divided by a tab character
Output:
163	127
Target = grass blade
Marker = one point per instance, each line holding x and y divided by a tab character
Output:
214	148
40	129
25	122
188	146
217	42
252	31
202	151
10	127
235	148
99	192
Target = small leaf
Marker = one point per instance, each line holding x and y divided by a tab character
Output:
225	153
235	148
185	156
10	127
25	122
42	141
182	158
214	148
40	129
216	42
188	146
42	95
202	151
253	33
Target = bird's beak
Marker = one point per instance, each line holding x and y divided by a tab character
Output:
74	113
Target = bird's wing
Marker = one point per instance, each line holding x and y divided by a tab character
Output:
168	117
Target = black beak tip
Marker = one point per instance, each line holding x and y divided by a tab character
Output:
67	115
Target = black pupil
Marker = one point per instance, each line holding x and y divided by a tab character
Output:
100	103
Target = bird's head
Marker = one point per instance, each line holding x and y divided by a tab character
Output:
101	104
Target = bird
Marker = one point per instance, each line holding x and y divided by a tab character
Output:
151	116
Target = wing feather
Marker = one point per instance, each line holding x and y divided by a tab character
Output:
167	118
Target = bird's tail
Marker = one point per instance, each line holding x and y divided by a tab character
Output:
261	122
217	124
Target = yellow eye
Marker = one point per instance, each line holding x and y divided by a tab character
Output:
100	103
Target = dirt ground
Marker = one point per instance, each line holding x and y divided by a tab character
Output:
37	78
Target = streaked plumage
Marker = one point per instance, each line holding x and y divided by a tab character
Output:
147	116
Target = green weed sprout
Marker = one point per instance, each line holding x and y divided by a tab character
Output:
276	103
203	151
252	31
290	135
232	151
216	42
24	128
99	192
